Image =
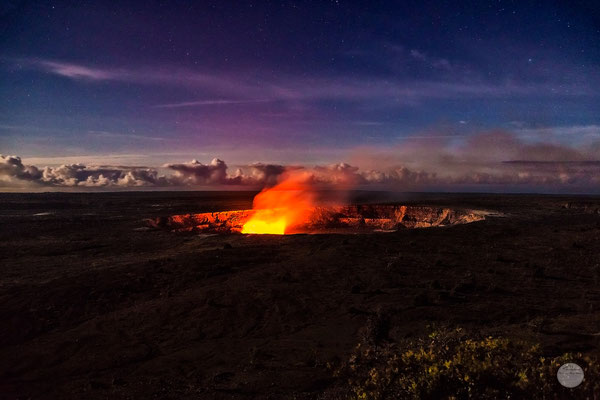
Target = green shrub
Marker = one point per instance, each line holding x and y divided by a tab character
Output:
448	364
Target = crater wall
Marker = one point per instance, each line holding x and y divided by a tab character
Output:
338	219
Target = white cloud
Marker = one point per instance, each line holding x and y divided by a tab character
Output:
490	158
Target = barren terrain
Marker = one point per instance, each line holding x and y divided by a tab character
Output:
96	304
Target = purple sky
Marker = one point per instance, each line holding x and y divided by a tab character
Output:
292	83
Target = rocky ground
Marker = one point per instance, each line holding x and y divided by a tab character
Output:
94	304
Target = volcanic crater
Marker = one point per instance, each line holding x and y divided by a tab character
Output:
347	219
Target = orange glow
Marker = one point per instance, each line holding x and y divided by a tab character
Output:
278	210
264	224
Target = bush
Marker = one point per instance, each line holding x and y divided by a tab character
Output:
448	364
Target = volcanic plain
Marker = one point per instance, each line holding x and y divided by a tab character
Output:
97	303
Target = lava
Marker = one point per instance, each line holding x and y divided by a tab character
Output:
268	222
293	206
279	209
365	218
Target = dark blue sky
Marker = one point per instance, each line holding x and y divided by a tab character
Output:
290	81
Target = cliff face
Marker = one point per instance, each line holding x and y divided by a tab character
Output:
386	217
581	206
341	219
216	222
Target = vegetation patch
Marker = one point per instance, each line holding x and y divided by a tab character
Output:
450	364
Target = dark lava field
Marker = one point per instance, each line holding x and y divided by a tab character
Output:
95	304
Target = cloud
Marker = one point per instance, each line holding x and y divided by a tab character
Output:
400	175
215	173
246	88
124	136
91	176
161	76
490	158
13	173
576	131
338	174
196	173
12	169
75	71
207	103
265	174
418	55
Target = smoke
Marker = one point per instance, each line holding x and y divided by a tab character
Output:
489	158
437	162
338	174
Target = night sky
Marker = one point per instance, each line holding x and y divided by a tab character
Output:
304	83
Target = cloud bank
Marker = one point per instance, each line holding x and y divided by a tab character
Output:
13	173
492	158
